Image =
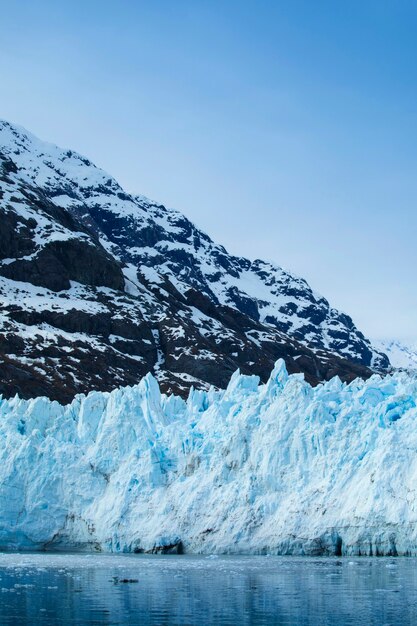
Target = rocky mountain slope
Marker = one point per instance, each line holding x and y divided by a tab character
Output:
277	468
99	287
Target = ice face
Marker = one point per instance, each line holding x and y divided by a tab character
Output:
281	467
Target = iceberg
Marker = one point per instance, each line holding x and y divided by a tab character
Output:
279	468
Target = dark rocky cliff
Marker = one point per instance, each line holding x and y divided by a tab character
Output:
98	287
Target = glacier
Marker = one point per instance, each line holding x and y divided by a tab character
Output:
280	468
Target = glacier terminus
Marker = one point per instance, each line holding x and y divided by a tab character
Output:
279	468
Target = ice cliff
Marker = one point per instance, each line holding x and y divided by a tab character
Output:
280	468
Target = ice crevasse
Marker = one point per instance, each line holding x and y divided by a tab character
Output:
275	468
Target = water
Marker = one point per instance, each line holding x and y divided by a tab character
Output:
72	589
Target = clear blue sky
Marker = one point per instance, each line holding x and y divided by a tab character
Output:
286	130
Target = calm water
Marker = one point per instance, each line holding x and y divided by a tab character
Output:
88	589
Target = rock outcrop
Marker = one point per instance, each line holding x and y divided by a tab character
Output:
99	287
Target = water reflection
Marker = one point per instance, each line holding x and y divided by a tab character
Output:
127	589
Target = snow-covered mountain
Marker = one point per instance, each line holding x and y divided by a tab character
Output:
282	467
98	287
400	354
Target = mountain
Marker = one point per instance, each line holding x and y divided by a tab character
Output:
400	354
277	468
99	287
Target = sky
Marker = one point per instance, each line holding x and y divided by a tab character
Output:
287	130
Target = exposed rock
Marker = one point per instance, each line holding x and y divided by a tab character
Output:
98	287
